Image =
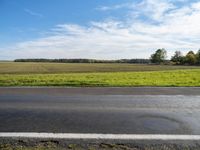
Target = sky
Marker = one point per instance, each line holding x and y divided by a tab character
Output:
97	29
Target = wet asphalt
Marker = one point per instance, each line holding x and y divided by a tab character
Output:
100	110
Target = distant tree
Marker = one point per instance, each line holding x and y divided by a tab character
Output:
198	57
178	58
159	56
191	58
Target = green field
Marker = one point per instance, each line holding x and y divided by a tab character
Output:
54	74
51	68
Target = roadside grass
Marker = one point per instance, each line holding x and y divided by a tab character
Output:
189	77
56	68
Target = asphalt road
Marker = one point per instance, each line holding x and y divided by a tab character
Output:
101	91
101	110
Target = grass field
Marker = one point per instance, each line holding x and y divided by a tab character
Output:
53	74
24	68
153	78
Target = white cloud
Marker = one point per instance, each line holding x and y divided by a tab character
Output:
115	7
177	28
155	9
32	13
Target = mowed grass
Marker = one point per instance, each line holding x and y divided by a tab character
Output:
52	68
122	79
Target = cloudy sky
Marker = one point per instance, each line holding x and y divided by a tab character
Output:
100	29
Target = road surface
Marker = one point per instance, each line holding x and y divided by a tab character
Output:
101	110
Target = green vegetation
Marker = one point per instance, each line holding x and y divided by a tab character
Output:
159	56
189	59
76	74
150	78
51	68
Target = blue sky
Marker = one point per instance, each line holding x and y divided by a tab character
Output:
24	19
101	29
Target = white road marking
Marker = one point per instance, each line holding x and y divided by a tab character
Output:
98	136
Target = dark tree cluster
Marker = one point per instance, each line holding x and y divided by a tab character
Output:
159	56
134	61
190	58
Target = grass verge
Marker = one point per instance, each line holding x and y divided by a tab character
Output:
189	77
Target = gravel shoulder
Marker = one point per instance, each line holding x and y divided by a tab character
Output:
24	144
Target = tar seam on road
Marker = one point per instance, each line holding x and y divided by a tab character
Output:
77	136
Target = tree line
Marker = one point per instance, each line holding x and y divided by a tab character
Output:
159	57
136	61
191	58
